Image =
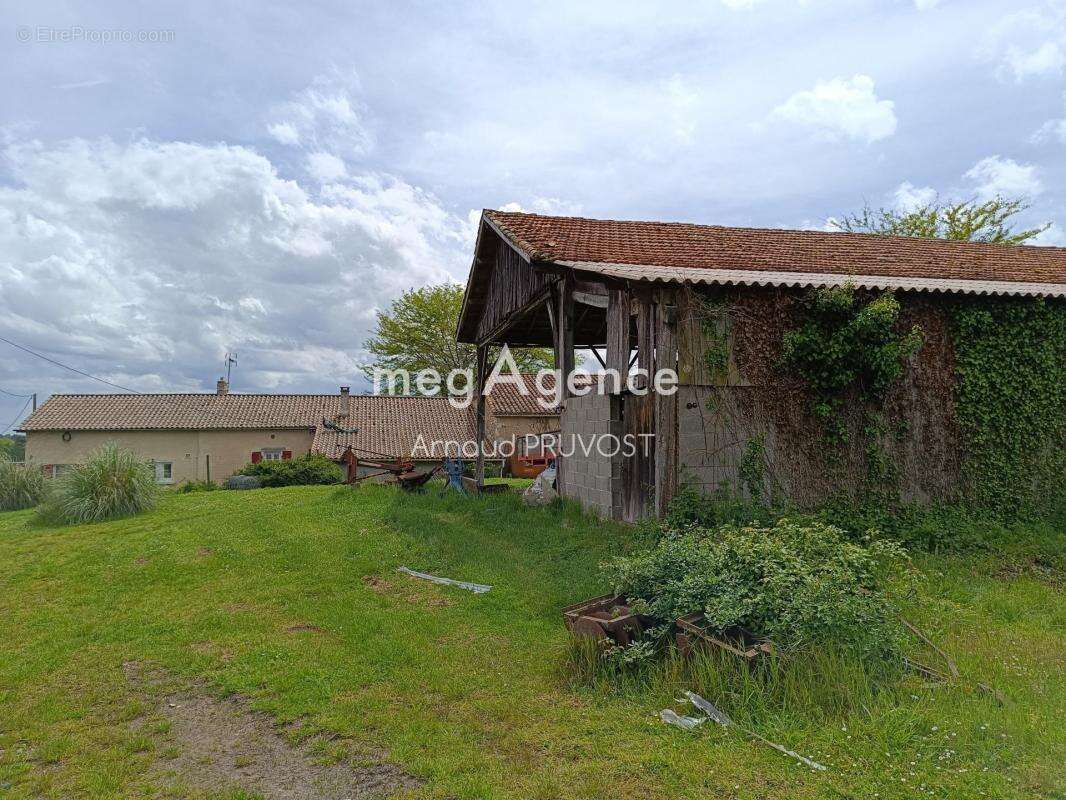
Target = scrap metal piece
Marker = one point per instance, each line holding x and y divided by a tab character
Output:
476	588
719	716
671	717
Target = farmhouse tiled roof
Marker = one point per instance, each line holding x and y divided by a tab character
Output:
387	424
678	252
393	426
106	412
507	400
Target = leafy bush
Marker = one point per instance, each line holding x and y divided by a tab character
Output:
198	486
243	482
113	482
801	583
307	470
21	485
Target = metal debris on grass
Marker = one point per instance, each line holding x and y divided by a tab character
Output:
476	588
671	717
723	719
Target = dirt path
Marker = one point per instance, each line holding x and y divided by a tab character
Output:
217	743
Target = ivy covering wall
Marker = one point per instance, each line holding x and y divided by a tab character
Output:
881	398
1010	402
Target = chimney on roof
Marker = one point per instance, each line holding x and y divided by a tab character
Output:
222	387
345	401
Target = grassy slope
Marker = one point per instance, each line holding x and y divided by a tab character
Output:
469	694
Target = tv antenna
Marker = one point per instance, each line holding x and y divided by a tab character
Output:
231	359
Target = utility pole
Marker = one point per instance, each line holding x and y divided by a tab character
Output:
35	401
231	359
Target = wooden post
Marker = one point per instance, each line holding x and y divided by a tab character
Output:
645	333
482	358
564	357
564	332
665	405
618	332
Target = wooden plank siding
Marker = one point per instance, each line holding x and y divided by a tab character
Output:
512	285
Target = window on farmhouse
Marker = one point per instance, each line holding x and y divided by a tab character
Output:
272	454
164	472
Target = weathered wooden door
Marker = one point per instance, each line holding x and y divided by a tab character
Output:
638	471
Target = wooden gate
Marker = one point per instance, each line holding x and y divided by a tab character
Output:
638	471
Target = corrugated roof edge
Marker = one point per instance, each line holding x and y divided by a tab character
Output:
659	274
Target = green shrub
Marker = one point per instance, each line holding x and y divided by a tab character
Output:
308	470
21	485
111	483
801	583
198	486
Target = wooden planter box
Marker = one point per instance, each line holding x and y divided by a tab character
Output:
693	631
607	617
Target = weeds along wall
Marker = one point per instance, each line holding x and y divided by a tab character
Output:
842	394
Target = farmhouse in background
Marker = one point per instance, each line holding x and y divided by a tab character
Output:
211	436
661	295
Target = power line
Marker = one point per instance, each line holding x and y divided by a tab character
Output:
18	416
67	366
12	394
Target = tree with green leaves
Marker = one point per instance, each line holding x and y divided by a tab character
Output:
990	221
418	332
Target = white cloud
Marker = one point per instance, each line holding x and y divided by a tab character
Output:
326	116
995	176
907	197
738	4
284	132
925	5
841	108
325	167
1052	130
145	261
1029	43
552	206
1054	236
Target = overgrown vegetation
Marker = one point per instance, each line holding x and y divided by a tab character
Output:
112	483
801	583
198	486
311	469
291	596
1010	402
848	348
21	485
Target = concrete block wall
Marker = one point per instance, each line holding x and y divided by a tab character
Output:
593	478
711	445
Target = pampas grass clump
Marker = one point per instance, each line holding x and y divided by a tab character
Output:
21	485
112	483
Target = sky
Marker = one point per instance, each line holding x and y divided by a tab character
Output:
179	181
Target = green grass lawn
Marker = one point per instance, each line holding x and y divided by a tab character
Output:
467	692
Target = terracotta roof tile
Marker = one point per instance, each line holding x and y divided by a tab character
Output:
95	412
505	399
683	245
393	425
386	424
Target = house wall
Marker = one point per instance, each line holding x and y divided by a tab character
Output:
592	478
504	428
186	450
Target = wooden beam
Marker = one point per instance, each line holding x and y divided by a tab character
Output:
564	330
482	359
587	299
564	356
666	432
618	331
645	309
